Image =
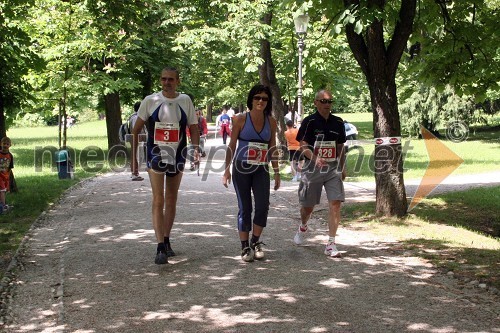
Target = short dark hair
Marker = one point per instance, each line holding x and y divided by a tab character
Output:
171	69
257	89
136	106
289	123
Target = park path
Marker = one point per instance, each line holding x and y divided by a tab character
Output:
87	266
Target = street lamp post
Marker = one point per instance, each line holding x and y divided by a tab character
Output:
301	22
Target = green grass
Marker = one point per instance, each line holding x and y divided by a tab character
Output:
479	151
37	179
456	231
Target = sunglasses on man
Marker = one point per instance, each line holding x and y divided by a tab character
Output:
325	101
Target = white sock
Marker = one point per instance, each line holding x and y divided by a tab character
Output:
331	239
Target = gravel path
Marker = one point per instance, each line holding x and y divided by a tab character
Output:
87	266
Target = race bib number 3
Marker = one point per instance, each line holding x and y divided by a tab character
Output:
326	150
166	134
257	153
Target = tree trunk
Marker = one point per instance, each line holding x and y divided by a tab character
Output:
13	184
267	75
147	83
388	159
379	61
3	129
113	118
210	109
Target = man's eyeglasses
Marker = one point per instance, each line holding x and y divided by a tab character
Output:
325	101
261	98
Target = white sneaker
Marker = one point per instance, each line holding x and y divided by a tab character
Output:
258	252
300	235
247	254
332	251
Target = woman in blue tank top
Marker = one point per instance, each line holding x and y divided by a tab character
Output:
255	133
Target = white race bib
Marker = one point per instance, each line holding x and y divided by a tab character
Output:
327	150
167	136
257	153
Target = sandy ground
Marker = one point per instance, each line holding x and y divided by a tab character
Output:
87	266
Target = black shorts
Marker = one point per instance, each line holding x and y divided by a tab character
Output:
171	170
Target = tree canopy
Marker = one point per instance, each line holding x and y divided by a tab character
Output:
72	56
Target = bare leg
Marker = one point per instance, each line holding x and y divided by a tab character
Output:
157	186
171	189
244	235
305	214
334	217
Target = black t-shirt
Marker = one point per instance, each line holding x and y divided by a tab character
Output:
332	129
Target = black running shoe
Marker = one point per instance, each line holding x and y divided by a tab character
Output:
161	258
170	252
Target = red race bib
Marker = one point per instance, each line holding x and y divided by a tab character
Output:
257	153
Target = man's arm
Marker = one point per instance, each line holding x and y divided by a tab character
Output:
139	124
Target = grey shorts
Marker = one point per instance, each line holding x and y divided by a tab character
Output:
314	179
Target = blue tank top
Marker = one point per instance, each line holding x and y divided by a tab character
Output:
250	134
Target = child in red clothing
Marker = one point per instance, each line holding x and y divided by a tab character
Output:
6	164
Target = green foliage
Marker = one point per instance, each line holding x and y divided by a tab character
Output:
15	57
434	109
96	47
456	43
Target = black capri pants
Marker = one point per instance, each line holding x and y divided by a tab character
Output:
248	179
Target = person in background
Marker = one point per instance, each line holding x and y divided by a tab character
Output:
351	131
289	116
131	123
166	114
203	129
293	149
322	137
6	166
224	125
255	134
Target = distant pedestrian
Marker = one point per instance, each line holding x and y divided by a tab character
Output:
293	149
290	116
225	125
131	123
351	131
322	138
6	166
203	129
255	133
166	114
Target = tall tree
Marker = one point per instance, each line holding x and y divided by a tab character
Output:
267	73
378	57
16	59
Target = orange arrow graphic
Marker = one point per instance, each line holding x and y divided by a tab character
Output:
442	162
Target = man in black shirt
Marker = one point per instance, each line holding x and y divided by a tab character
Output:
322	137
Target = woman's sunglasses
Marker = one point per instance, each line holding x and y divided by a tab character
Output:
261	98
